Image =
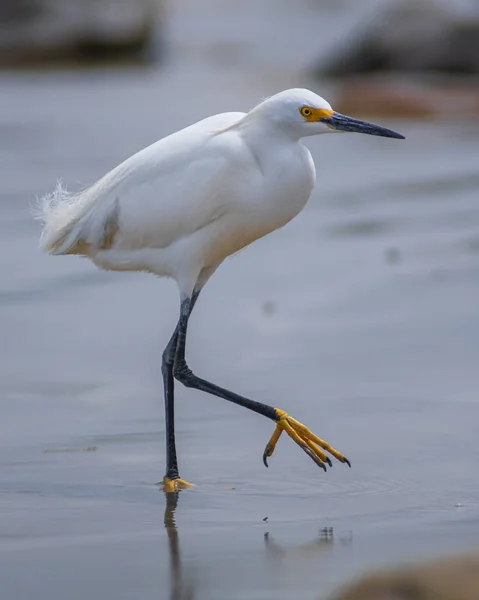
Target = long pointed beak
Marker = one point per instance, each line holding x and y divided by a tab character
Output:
340	122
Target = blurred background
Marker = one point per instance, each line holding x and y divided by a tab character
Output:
360	317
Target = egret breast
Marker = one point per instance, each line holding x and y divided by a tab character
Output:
259	207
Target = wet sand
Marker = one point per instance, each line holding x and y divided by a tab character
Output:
359	317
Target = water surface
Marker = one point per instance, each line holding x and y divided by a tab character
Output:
359	317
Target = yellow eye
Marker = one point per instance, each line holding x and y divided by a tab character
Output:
306	111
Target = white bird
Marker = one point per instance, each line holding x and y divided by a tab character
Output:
179	207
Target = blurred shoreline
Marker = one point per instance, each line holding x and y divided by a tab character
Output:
402	74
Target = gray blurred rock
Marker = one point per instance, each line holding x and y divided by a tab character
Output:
34	31
411	35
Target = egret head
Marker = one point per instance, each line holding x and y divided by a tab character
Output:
303	113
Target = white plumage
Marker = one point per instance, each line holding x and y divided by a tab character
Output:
179	207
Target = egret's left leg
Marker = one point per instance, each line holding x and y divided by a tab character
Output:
171	481
312	445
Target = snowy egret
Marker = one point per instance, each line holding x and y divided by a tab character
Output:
179	207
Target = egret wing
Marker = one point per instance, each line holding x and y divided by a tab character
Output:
156	196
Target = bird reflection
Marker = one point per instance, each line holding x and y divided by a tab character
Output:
283	561
304	562
180	589
280	556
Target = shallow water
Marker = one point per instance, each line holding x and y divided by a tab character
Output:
359	317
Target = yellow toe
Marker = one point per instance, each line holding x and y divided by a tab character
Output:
173	485
315	447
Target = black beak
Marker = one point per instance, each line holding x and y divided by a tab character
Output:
340	122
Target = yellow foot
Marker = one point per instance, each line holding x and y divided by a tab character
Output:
310	443
173	485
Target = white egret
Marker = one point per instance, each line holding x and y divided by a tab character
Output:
179	207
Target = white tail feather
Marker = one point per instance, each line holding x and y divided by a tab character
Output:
58	212
67	218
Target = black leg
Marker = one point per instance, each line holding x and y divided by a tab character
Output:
183	373
169	391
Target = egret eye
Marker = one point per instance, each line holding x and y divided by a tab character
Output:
306	111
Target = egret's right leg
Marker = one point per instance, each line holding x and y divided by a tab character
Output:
313	446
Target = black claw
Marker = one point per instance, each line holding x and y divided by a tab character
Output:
313	456
267	452
328	460
347	461
320	463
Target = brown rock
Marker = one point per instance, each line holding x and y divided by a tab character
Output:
447	579
369	96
